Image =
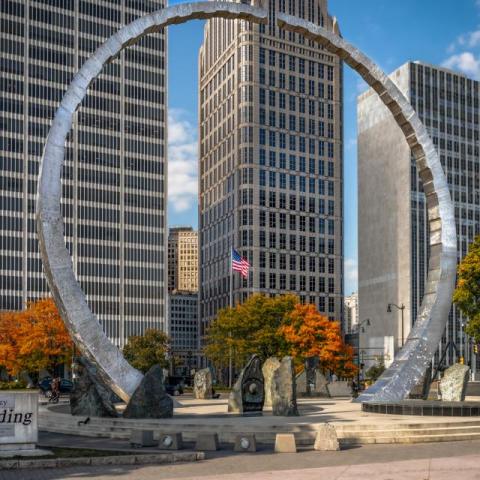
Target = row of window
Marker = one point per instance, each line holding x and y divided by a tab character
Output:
295	103
302	283
314	185
317	245
295	142
246	215
296	123
295	64
297	222
295	84
297	164
302	263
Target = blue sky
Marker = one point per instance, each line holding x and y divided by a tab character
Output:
391	32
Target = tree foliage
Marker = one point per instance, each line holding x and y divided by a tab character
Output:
277	326
374	372
249	328
34	339
467	294
145	351
310	334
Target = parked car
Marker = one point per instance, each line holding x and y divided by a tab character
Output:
66	386
174	386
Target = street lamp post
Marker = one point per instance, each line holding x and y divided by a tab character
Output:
401	308
361	329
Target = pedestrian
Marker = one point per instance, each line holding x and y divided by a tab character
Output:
55	389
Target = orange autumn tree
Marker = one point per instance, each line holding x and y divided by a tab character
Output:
9	356
34	339
311	334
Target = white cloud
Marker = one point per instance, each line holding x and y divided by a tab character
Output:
473	39
182	161
465	62
351	274
466	40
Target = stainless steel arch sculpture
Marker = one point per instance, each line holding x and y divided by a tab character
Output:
69	297
412	360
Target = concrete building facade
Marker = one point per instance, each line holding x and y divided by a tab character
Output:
393	236
182	259
114	180
350	314
271	162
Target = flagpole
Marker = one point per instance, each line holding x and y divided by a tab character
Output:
230	333
231	276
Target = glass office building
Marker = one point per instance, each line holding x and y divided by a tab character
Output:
114	179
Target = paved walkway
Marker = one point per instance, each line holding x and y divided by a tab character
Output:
438	461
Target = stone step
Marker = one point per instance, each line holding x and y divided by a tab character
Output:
393	426
307	440
380	432
409	432
409	439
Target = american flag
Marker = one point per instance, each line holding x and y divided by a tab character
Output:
240	264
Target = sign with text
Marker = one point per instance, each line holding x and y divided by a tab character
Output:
18	418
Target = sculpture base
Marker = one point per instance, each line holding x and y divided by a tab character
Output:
424	408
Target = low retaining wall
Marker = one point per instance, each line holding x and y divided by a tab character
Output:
143	459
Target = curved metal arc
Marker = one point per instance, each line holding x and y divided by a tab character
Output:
411	361
69	297
420	346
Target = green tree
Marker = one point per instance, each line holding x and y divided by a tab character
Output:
249	328
277	326
467	294
374	372
145	351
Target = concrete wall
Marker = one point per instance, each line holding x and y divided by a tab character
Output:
384	221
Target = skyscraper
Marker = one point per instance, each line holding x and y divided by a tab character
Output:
183	296
393	228
271	160
183	330
114	176
182	259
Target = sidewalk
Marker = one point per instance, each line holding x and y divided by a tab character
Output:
465	468
435	461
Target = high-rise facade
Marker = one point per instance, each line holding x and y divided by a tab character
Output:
114	178
393	227
271	161
183	329
182	259
350	314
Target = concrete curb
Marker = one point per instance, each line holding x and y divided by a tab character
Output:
139	459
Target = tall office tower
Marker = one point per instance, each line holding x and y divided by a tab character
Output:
350	314
271	159
114	177
182	259
393	236
183	330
